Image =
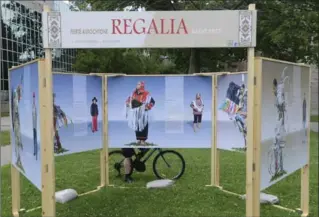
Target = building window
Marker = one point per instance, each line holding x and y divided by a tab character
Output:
21	38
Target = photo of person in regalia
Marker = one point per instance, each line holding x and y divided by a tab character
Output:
198	107
138	105
94	113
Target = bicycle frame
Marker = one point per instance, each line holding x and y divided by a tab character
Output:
150	154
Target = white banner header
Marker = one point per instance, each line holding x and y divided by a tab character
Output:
169	29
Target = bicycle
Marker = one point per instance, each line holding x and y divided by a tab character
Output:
139	162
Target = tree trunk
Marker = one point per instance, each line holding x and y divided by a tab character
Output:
194	61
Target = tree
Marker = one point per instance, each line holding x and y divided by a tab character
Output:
286	30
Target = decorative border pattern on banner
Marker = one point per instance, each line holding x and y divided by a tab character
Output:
245	28
54	29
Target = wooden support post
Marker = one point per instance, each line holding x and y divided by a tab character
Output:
252	206
104	152
15	187
214	151
304	197
257	135
47	133
217	178
15	175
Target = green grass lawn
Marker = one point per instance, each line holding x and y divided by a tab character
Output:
314	118
189	197
4	138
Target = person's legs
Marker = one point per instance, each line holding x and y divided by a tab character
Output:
199	120
194	123
95	122
142	135
128	163
58	142
92	124
34	141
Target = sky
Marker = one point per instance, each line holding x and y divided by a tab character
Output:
74	94
180	89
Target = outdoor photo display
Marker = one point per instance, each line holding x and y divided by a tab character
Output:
159	111
25	121
232	111
284	115
77	113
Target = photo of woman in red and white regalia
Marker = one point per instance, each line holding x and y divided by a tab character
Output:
138	105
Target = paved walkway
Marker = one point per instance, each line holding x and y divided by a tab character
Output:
5	155
6	150
5	123
314	126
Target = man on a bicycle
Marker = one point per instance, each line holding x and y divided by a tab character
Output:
128	162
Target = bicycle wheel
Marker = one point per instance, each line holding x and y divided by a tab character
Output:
116	163
166	162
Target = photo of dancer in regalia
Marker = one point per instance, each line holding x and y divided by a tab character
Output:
16	95
59	119
138	105
276	164
198	108
94	113
235	106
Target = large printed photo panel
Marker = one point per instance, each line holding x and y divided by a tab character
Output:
77	113
25	120
159	111
231	111
284	119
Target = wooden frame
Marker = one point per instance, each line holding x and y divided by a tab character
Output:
104	159
254	82
15	173
47	164
215	179
305	171
304	194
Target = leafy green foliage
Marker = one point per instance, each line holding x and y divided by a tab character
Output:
286	30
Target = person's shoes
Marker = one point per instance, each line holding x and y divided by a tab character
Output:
128	179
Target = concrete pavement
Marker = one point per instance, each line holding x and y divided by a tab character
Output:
5	150
5	123
314	126
5	155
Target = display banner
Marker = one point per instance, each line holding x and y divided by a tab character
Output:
149	29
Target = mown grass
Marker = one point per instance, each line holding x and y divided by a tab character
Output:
189	197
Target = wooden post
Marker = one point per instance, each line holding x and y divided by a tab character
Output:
104	160
15	187
304	197
214	151
46	133
257	135
15	174
252	209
